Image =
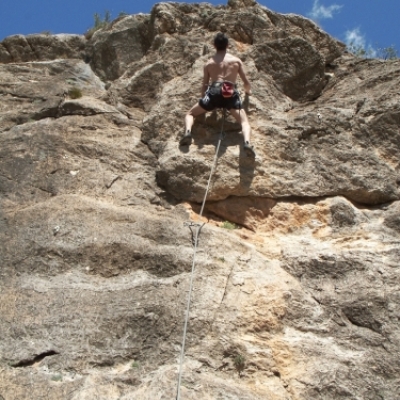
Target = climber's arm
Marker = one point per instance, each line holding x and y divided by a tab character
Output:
206	80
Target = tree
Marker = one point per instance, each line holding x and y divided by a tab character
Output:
99	23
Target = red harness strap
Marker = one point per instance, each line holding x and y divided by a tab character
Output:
227	89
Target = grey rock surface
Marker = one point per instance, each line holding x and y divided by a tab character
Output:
297	265
41	47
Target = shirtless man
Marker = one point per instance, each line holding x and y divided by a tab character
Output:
222	67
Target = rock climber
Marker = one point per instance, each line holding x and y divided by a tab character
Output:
222	70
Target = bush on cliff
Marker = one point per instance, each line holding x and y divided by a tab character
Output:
99	23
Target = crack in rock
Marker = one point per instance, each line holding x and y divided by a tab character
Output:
31	361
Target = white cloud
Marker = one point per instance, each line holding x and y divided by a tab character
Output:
355	38
357	43
319	11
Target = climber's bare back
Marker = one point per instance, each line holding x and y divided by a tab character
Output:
223	67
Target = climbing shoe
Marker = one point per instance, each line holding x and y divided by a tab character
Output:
248	149
186	140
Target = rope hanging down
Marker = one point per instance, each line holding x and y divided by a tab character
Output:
195	242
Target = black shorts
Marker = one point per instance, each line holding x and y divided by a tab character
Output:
213	99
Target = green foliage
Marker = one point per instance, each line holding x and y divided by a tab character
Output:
240	363
360	51
56	378
385	53
205	13
99	23
102	23
75	93
388	53
135	364
229	225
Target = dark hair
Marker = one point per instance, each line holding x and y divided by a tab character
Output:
221	41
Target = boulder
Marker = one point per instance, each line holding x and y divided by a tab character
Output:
41	47
111	50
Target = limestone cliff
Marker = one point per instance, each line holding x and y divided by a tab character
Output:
95	192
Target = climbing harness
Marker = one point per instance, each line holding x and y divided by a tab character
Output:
195	240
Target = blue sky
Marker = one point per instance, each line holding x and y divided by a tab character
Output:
371	24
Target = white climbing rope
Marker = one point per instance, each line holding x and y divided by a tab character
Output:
195	243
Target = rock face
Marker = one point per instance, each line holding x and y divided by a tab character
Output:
296	285
41	47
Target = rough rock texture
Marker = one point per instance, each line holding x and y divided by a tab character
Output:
95	194
125	41
41	47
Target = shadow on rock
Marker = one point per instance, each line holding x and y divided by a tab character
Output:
246	169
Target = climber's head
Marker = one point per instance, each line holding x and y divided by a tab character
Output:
221	41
